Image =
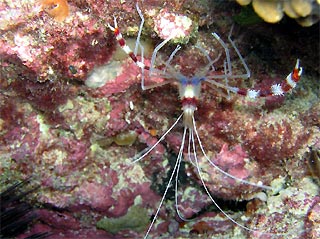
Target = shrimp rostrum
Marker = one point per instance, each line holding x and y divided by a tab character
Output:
189	93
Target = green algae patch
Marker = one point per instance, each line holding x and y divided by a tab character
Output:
136	219
247	17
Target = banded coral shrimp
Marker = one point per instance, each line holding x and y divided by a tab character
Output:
189	93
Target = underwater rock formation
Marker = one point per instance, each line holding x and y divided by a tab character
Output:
73	117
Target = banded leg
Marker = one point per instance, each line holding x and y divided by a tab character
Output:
153	72
274	90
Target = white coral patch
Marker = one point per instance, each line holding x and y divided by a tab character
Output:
101	75
177	28
23	47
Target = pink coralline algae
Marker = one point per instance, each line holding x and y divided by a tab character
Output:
20	130
49	47
234	162
313	220
95	195
67	104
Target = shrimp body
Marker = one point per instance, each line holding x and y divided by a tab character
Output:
189	92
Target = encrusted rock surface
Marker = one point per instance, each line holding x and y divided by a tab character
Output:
73	116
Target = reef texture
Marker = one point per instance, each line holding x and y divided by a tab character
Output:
306	12
73	115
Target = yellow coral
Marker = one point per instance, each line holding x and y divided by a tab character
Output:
268	10
306	12
287	8
245	2
302	7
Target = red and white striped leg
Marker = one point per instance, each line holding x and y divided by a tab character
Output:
277	89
